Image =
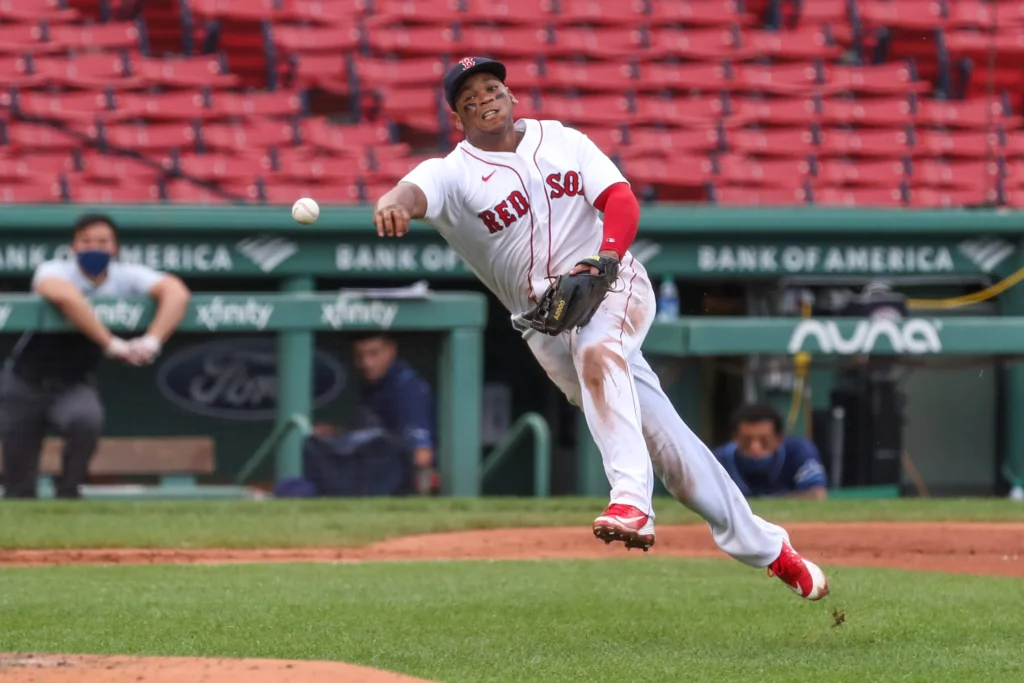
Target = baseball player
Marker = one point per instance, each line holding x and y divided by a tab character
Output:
522	202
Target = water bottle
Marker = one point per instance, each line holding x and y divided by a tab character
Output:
668	300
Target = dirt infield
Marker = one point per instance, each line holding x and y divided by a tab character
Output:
953	547
39	668
996	549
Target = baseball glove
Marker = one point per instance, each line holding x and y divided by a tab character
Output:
571	300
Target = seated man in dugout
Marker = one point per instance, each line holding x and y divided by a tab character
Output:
764	462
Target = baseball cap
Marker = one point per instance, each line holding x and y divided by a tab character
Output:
466	67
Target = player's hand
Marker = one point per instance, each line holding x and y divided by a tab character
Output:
391	220
143	350
584	268
119	349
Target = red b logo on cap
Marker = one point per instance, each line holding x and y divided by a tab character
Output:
466	62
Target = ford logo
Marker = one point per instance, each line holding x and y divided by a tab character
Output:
236	379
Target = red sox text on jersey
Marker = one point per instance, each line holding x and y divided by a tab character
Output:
501	216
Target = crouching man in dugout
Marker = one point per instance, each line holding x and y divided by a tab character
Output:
49	380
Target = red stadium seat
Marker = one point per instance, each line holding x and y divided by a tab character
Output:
345	139
597	12
665	142
692	111
31	136
703	44
868	112
784	142
30	194
961	174
85	70
73	106
186	72
819	12
966	144
976	113
184	192
24	38
932	198
14	71
694	76
594	76
268	104
315	39
173	106
285	194
150	137
695	13
512	43
245	10
254	135
117	169
594	109
805	43
867	143
386	72
34	10
530	12
388	12
318	169
113	194
323	11
841	196
913	15
739	170
765	196
843	172
220	167
105	36
672	172
778	79
778	112
38	164
894	78
420	40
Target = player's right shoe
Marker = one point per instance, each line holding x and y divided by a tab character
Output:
803	576
627	524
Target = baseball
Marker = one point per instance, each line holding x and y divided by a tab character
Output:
305	211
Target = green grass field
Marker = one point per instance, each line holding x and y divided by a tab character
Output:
655	619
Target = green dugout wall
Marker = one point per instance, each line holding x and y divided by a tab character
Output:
232	246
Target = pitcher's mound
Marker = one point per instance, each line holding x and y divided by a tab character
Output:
43	668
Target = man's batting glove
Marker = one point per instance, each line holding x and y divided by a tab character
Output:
144	350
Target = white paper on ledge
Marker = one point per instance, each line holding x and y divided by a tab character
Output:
417	290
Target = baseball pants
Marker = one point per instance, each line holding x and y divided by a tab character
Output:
74	411
601	369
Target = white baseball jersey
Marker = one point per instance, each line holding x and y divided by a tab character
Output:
519	218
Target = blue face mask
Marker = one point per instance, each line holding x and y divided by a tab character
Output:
756	466
93	262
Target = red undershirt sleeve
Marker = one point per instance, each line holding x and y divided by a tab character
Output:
621	217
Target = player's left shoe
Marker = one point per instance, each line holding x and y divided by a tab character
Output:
627	524
803	576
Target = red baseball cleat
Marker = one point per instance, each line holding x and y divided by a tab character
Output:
627	524
803	576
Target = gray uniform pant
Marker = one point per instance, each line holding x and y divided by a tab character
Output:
74	411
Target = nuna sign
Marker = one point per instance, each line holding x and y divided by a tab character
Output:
912	336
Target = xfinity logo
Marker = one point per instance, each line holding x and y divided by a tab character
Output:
347	310
986	252
251	314
267	252
120	314
913	336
